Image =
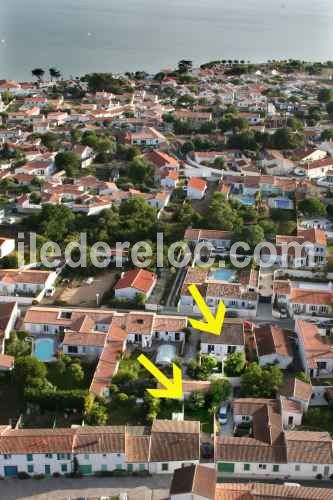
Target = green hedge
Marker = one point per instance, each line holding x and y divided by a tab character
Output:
56	400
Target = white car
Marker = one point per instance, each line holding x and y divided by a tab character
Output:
223	413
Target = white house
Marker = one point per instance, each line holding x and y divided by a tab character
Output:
273	346
232	339
316	350
87	450
25	286
196	188
134	282
271	451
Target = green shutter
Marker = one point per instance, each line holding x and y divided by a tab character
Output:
247	466
226	467
47	470
142	467
86	469
130	467
29	457
30	469
276	468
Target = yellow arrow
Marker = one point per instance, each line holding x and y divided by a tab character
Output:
213	323
173	388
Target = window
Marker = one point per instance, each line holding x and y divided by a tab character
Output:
7	456
104	455
104	467
119	467
30	469
276	468
262	466
63	467
142	467
47	470
130	467
48	455
177	336
297	468
165	467
63	456
46	328
321	365
231	349
247	466
65	314
314	468
211	348
72	349
86	456
29	457
245	418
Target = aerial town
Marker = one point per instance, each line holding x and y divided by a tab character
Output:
187	179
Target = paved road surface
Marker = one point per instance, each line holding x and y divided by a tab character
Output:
151	488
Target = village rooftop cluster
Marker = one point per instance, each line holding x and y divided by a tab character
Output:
228	168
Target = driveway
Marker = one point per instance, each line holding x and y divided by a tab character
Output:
147	488
228	428
85	295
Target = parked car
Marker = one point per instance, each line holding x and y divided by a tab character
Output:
223	413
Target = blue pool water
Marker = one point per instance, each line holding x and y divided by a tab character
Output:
223	275
44	349
249	202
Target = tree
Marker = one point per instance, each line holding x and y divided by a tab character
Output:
269	228
234	364
76	373
219	162
312	207
204	371
285	138
327	135
54	73
220	214
185	66
325	95
140	171
68	161
304	377
98	415
196	400
53	221
253	235
219	391
17	345
28	369
329	109
261	382
38	73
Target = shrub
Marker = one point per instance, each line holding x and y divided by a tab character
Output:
319	476
23	475
56	474
39	476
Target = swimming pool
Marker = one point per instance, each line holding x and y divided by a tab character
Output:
44	349
247	201
223	275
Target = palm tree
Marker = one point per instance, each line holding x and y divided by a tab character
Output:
54	73
38	73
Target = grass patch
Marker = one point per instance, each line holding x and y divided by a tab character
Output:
203	416
319	419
